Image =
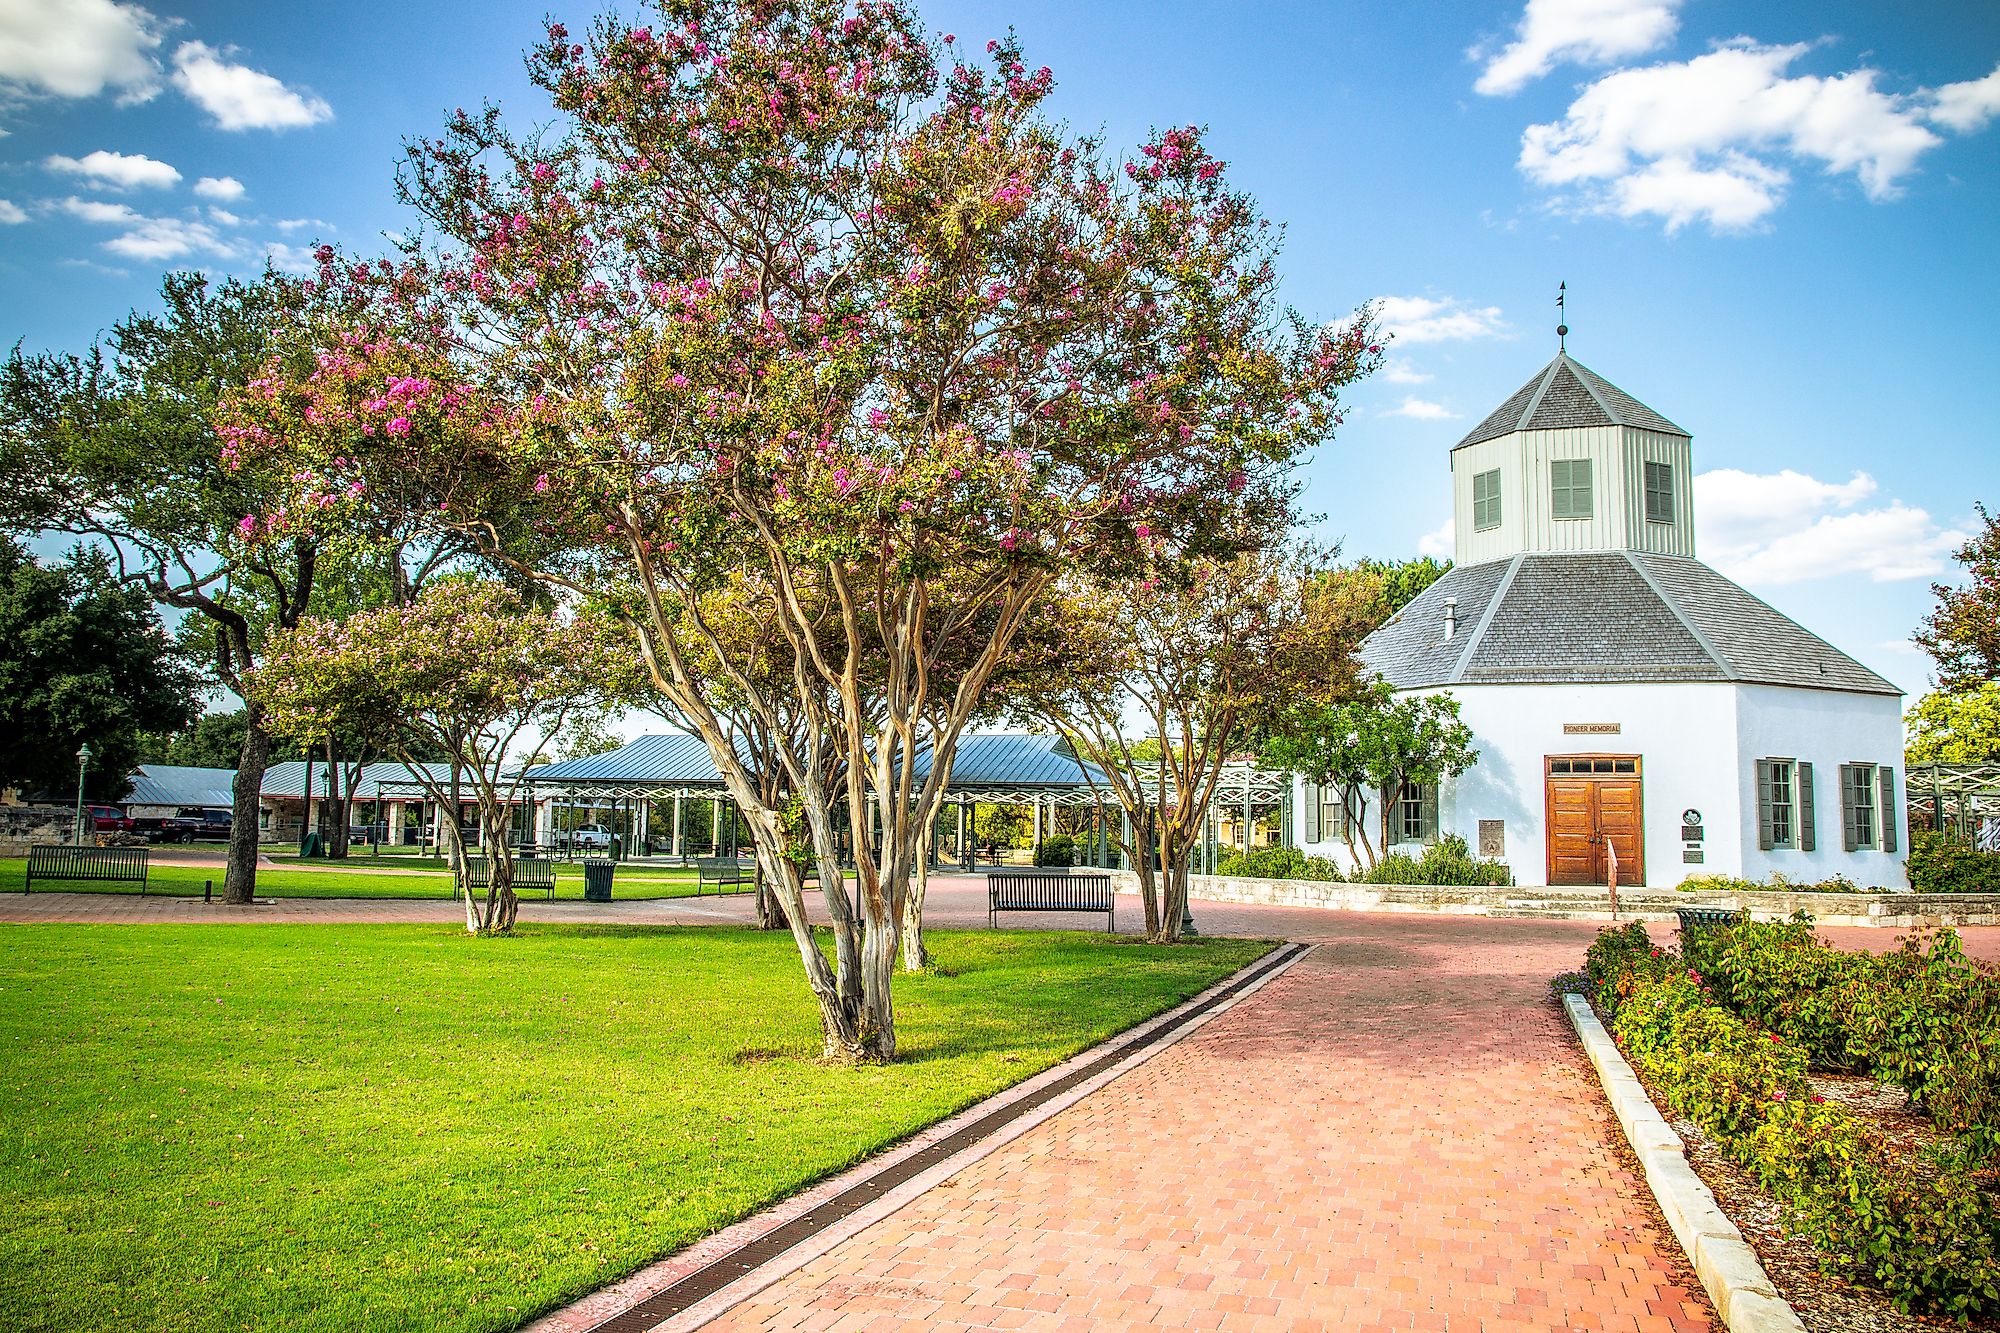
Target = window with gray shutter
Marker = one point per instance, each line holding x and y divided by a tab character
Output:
1808	832
1486	500
1310	833
1890	819
1416	813
1659	493
1569	488
1858	807
1781	811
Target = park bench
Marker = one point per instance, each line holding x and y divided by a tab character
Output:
117	865
1051	891
726	873
1693	917
528	874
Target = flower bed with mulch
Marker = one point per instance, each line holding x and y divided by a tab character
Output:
1843	1107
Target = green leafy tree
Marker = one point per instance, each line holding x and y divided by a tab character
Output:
1962	633
214	740
468	669
1402	580
1205	663
1956	726
794	301
1366	747
83	661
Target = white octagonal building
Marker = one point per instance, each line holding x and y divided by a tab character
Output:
1626	700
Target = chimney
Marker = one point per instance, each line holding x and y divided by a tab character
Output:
1450	618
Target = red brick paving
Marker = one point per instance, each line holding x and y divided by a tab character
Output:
1397	1134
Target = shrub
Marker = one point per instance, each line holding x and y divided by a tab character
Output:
1776	884
1449	860
1946	863
1924	1231
1279	863
1058	849
1623	956
1323	868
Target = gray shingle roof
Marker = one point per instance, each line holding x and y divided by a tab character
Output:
1600	616
1565	394
183	785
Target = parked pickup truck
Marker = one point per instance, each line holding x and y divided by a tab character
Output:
186	826
586	836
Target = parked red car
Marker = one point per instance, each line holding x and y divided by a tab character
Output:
107	819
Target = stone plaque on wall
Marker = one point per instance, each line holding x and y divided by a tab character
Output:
1492	837
1691	856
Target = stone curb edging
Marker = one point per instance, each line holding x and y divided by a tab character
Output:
1725	1263
1135	1046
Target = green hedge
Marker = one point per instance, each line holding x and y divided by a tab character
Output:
1447	861
1058	849
1776	884
1927	1231
1945	863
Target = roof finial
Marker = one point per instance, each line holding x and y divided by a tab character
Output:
1562	325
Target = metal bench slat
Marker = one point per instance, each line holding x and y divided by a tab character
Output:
113	865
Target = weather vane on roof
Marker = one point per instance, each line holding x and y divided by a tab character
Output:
1562	319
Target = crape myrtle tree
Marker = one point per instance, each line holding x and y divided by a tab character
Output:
467	669
794	301
1204	660
1371	741
118	446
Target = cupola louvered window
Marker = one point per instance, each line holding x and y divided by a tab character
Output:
1486	500
1569	488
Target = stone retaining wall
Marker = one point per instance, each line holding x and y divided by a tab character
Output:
22	826
1898	911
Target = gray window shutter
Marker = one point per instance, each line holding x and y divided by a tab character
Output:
1808	831
1430	816
1766	838
1850	840
1888	807
1311	830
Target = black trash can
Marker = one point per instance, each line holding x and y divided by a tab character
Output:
597	880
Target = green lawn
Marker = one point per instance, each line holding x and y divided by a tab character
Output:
369	1127
318	882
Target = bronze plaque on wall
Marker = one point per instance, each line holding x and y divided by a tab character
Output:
1492	837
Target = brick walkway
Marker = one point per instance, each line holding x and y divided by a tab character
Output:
1397	1134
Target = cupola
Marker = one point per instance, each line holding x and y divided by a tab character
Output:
1571	462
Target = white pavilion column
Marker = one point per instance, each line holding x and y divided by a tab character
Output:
545	821
643	825
715	825
677	824
1036	841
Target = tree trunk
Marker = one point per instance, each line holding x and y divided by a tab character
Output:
239	875
337	793
501	906
915	956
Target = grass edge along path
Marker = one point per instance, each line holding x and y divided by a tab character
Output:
370	1127
355	880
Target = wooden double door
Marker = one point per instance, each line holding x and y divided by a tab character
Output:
1596	806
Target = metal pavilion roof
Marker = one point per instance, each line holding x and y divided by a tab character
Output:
994	766
383	781
182	785
991	766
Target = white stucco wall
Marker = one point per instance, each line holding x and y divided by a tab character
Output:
1826	728
1698	744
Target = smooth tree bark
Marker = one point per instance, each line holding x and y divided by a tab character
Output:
797	304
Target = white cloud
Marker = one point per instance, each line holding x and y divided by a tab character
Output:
1401	372
1590	32
117	171
1438	543
1420	319
156	239
290	225
96	210
222	189
78	48
290	258
1706	138
1421	410
241	98
224	217
11	212
1788	527
1968	106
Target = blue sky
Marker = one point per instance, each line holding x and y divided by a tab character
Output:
1777	223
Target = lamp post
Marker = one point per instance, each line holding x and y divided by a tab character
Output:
82	766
